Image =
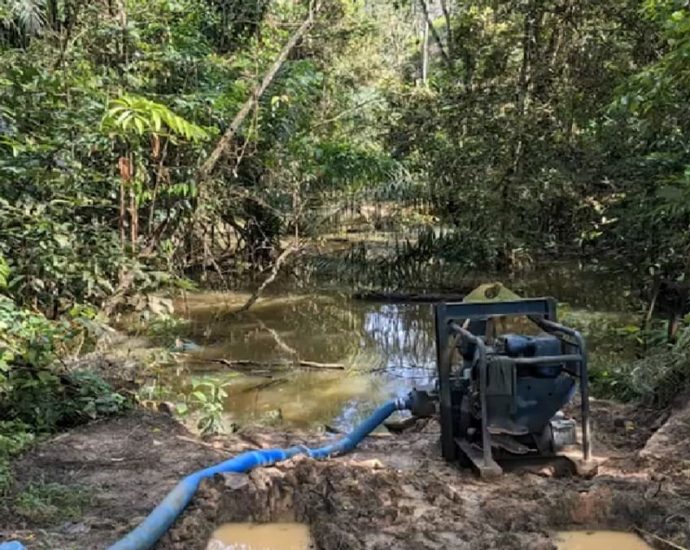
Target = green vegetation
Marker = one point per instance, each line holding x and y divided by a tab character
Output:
14	437
653	378
152	144
51	503
207	400
630	363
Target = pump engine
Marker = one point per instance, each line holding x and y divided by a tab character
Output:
500	394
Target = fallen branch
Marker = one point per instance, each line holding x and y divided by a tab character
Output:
272	276
255	368
300	363
227	138
315	365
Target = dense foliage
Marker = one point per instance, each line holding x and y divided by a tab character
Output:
544	127
523	130
559	128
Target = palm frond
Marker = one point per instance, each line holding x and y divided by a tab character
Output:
28	16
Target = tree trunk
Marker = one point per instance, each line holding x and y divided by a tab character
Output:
425	53
125	168
52	15
449	29
226	140
513	174
434	33
272	276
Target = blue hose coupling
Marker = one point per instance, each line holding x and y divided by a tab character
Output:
405	403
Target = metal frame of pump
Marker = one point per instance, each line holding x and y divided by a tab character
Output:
450	333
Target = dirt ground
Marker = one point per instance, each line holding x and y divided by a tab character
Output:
394	492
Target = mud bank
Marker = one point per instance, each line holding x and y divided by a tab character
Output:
393	492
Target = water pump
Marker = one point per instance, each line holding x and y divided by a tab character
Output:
500	393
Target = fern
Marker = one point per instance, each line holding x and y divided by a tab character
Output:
132	114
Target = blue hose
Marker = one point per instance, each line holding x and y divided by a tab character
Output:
147	533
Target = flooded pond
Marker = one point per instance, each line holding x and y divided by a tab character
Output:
384	350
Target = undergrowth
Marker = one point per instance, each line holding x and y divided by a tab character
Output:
50	503
630	363
38	393
653	380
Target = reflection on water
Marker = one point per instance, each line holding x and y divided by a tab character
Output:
600	540
261	536
587	286
386	348
324	328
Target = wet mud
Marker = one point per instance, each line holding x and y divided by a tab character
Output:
393	492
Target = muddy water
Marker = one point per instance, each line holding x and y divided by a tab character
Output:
386	349
268	536
600	540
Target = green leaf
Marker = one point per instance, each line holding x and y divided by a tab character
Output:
139	123
200	396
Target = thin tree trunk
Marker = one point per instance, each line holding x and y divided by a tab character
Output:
156	186
523	91
133	219
435	34
425	53
272	276
122	15
125	168
123	213
449	30
133	211
514	172
652	304
52	12
226	140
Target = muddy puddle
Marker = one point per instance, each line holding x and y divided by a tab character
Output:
382	350
599	540
261	536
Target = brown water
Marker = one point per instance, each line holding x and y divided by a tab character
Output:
600	540
261	536
387	349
